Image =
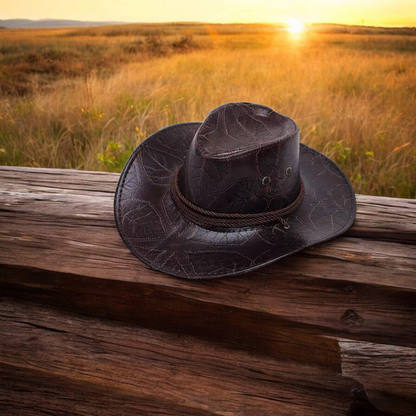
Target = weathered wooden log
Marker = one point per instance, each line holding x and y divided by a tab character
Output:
345	286
388	373
27	392
378	217
182	374
59	246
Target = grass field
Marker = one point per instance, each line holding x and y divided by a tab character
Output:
84	98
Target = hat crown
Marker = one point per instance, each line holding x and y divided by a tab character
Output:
244	158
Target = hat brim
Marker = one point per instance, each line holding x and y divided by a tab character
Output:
157	233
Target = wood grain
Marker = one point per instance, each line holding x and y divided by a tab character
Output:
388	373
34	392
59	247
72	231
378	218
175	371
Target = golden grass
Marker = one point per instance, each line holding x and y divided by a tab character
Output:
353	96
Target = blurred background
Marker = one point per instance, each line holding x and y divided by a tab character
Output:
82	90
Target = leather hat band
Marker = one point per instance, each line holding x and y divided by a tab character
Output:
206	218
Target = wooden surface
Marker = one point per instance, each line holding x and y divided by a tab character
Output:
383	369
171	368
287	339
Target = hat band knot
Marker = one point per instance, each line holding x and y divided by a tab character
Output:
205	218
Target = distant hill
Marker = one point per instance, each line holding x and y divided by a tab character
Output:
361	30
49	23
314	27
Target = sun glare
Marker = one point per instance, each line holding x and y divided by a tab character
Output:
295	27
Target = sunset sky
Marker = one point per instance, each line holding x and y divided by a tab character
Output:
368	12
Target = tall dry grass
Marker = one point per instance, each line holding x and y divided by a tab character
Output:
352	96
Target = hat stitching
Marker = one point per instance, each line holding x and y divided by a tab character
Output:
347	199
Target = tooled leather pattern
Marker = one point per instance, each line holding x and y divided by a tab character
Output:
157	233
238	160
235	127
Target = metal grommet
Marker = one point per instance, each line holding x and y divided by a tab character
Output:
266	181
288	171
282	222
285	223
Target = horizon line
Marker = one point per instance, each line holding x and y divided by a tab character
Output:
202	22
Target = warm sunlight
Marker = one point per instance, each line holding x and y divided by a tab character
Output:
295	26
369	12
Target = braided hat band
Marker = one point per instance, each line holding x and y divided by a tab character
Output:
212	222
206	218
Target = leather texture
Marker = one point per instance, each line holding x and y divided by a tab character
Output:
244	158
238	161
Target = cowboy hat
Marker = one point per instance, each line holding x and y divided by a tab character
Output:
229	195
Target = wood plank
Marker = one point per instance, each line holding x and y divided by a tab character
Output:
58	245
368	296
365	311
28	392
234	328
377	217
388	373
372	253
73	227
383	367
385	218
22	179
368	293
184	371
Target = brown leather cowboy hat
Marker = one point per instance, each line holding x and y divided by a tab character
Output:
229	195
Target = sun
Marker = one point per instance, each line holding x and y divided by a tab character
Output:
295	26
